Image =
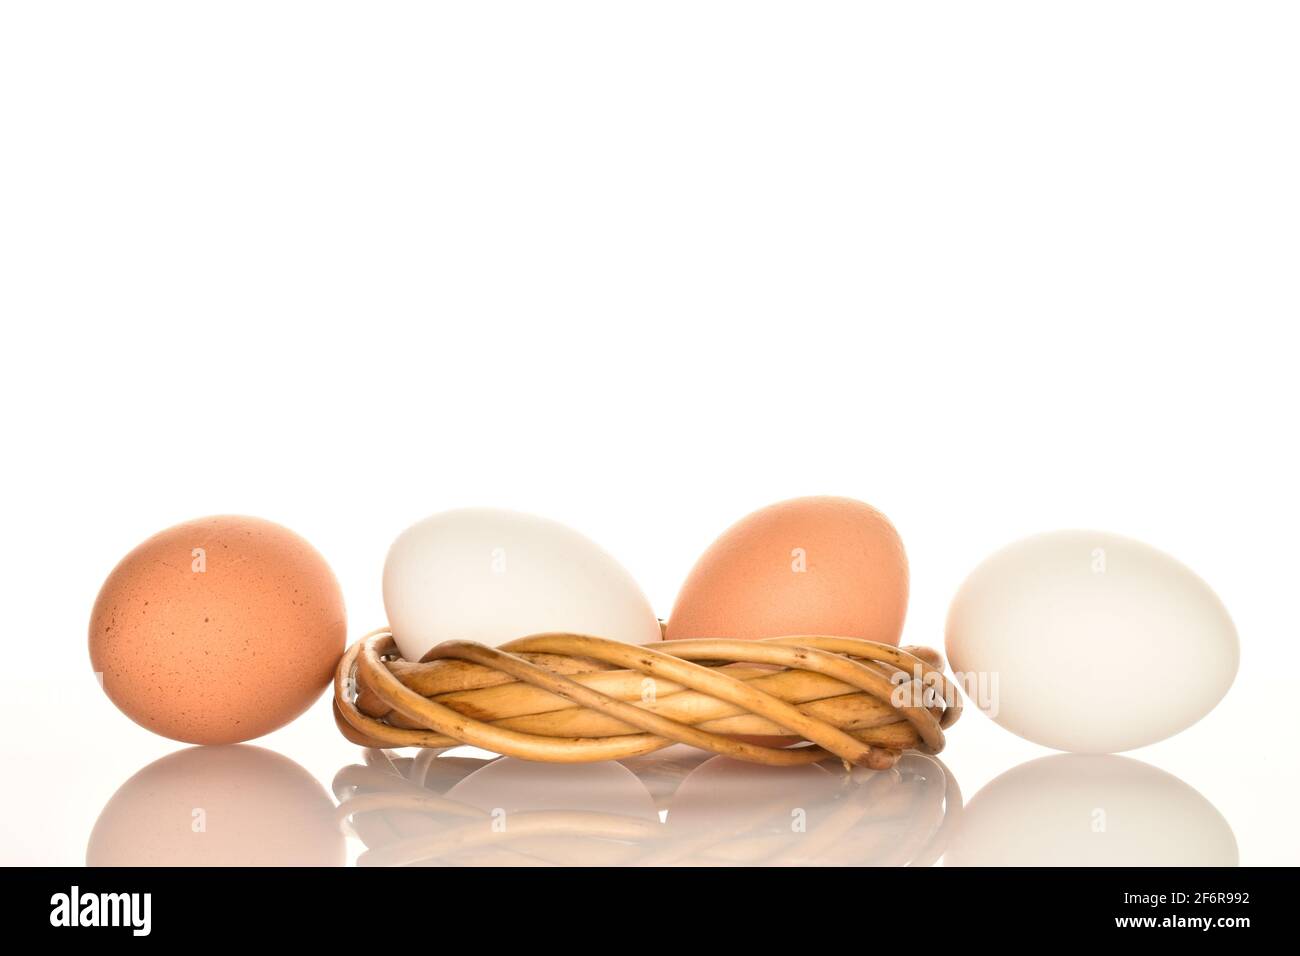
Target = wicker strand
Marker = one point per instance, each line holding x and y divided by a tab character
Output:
572	698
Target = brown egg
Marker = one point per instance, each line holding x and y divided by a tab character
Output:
823	565
218	630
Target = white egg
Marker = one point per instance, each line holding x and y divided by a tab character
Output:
1090	642
486	575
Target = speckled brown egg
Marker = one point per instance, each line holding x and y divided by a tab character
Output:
218	630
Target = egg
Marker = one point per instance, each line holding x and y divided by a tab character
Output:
819	565
1090	642
487	575
218	630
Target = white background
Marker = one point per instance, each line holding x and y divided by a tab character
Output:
995	268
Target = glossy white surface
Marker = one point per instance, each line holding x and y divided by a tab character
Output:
305	796
1091	810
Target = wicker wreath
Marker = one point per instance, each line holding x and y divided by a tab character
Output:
570	698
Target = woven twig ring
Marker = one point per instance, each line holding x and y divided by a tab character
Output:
571	698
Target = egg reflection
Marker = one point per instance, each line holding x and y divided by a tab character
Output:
503	812
675	808
218	806
730	813
1090	810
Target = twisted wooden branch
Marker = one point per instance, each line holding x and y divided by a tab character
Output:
572	698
